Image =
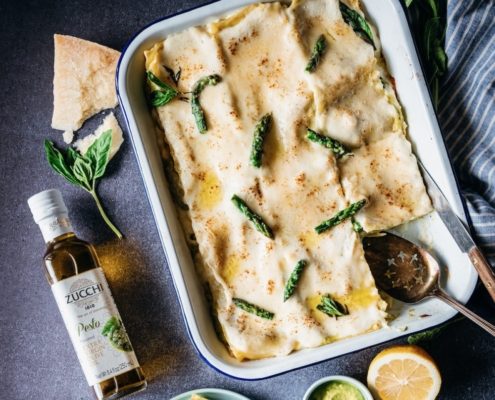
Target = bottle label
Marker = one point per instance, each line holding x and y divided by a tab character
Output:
95	328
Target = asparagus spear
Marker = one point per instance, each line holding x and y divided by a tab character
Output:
196	109
356	226
357	23
260	132
291	284
340	216
332	307
337	148
318	51
258	222
253	309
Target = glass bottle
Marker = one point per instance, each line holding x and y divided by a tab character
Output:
86	303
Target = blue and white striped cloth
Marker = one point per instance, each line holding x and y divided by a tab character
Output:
466	110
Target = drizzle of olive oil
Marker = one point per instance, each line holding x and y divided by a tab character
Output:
329	339
230	268
153	62
310	239
359	298
210	192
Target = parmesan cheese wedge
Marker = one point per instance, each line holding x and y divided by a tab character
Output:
110	122
83	84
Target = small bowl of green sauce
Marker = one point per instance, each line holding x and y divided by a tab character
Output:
338	387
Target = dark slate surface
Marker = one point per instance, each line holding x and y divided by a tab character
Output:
37	360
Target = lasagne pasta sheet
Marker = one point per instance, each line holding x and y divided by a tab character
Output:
261	52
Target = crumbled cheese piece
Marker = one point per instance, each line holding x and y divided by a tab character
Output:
110	122
68	136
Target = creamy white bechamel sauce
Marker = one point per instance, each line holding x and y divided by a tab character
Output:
261	52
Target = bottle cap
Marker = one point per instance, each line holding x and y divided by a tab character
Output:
50	213
48	203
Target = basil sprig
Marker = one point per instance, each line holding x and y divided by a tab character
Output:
161	93
84	170
357	23
332	307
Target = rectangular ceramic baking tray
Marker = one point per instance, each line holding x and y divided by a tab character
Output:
402	60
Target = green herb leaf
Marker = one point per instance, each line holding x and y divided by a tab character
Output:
260	131
174	76
341	216
337	148
84	171
332	307
433	6
197	110
357	23
317	53
99	152
57	162
253	309
161	93
428	22
430	334
294	277
257	221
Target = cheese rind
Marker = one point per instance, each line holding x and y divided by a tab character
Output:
84	81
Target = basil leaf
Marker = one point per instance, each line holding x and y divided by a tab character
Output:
434	7
357	23
72	156
159	98
174	76
83	172
332	307
57	162
98	153
161	93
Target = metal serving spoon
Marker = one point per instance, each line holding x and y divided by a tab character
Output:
409	273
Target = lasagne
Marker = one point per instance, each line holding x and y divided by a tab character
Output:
303	89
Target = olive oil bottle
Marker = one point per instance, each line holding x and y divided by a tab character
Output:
86	303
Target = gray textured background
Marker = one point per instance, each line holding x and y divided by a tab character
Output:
37	359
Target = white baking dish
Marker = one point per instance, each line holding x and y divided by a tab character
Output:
399	51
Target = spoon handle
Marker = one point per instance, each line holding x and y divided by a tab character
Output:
465	311
484	269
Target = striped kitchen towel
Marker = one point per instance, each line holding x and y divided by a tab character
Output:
466	110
